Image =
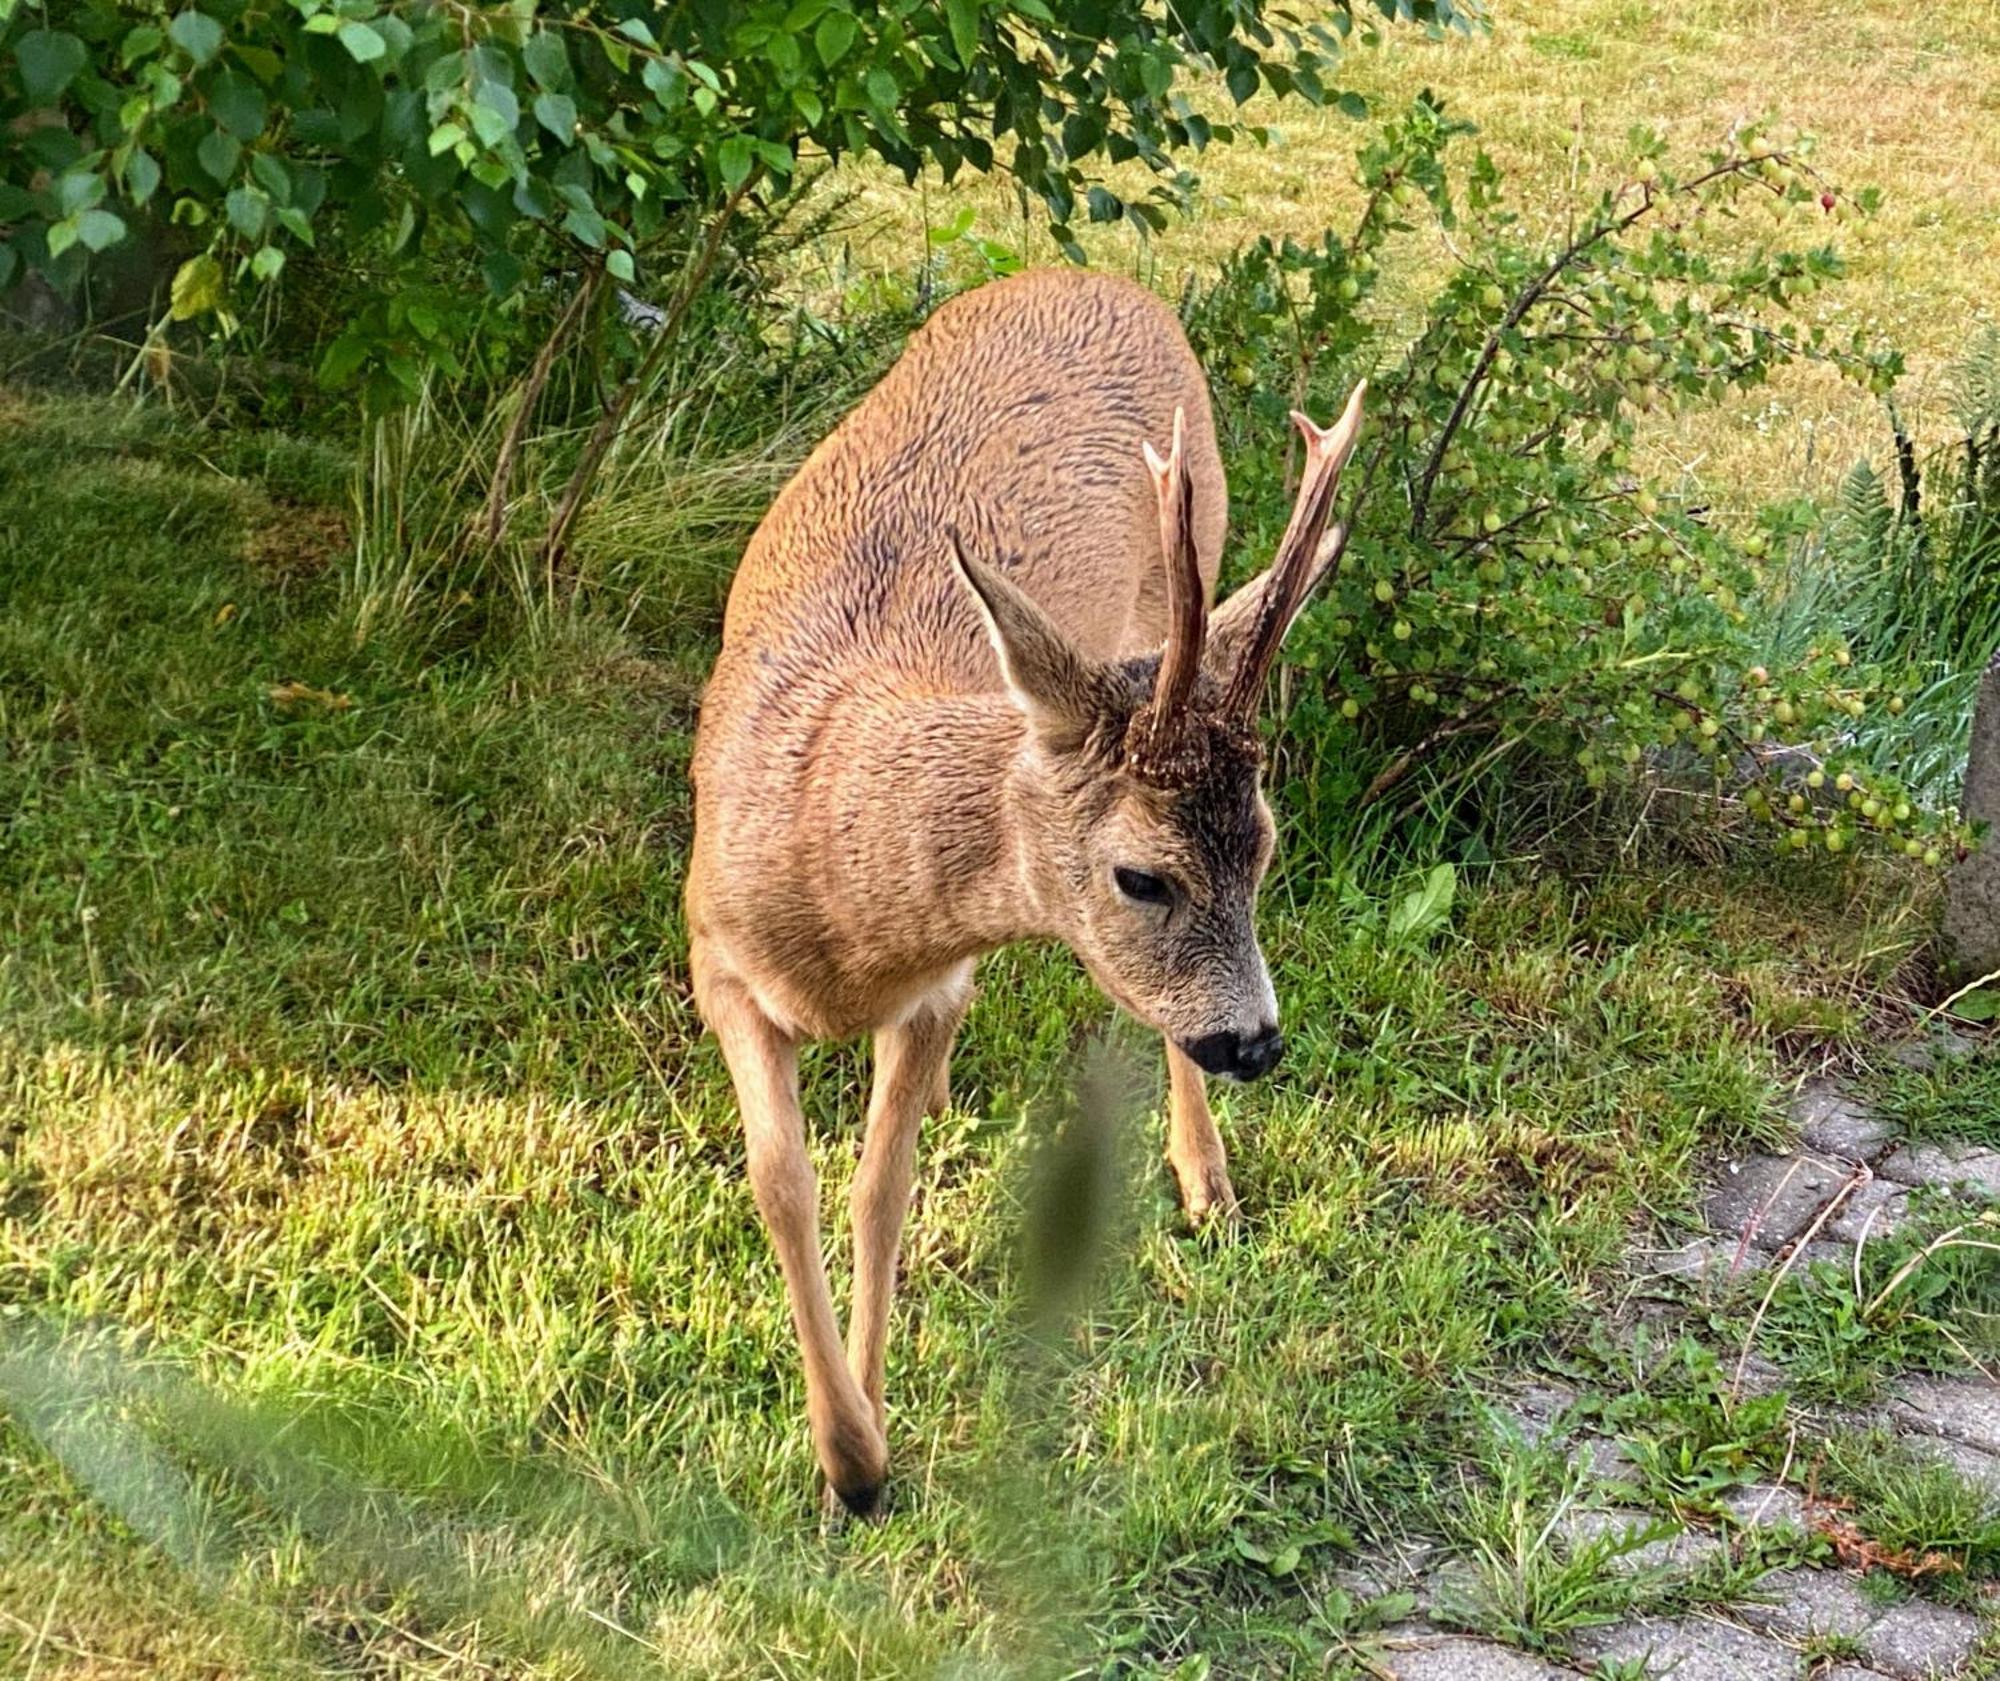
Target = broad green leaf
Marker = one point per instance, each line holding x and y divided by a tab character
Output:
142	176
444	137
636	29
99	229
61	236
197	287
48	60
556	112
619	263
363	42
268	263
271	176
196	34
138	43
734	158
547	60
834	36
963	18
237	103
218	153
1422	911
249	211
487	123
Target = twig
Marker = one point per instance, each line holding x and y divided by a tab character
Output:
531	392
615	407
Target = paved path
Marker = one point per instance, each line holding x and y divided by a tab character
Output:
1849	1181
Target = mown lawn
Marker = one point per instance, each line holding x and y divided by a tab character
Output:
357	1128
1904	98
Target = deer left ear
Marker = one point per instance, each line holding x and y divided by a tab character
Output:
1049	680
1233	623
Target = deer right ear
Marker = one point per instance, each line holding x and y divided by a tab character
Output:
1049	680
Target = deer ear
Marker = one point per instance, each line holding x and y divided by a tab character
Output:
1232	622
1053	684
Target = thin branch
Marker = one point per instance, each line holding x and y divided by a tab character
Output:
616	406
531	393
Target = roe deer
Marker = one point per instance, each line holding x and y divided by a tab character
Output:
970	692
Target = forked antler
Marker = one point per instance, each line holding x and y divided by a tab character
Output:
1303	558
1157	730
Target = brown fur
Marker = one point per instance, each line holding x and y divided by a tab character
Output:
905	761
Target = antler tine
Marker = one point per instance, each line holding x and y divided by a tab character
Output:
1304	557
1187	613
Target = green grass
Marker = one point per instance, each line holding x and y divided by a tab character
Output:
358	1133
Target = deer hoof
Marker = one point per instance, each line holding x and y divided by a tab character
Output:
855	1503
1209	1198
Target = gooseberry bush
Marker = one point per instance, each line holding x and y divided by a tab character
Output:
1518	583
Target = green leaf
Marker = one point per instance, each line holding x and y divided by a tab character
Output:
271	176
100	228
963	18
249	211
268	263
619	263
237	103
1424	910
734	158
635	29
1980	1004
49	60
196	34
138	43
61	236
218	153
197	287
834	36
547	60
882	90
364	44
444	137
487	123
556	112
142	176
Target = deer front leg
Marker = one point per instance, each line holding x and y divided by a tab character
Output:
911	1064
1194	1147
763	1062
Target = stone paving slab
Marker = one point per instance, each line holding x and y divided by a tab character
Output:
1976	1466
1851	1672
1919	1640
1875	1210
1452	1659
1709	1258
1801	1603
1945	1165
1766	1506
1831	1122
1693	1649
1772	1198
1963	1409
1674	1555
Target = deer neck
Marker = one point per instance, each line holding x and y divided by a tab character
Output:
941	850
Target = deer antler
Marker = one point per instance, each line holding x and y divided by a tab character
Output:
1156	732
1303	558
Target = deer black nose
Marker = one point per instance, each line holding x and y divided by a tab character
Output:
1238	1056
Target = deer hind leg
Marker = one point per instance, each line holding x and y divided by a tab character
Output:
763	1062
911	1064
1194	1147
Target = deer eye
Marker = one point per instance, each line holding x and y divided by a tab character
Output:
1138	885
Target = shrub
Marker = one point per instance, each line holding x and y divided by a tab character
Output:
1516	584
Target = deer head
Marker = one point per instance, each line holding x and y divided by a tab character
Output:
1140	812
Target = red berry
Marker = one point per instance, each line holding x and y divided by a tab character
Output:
1826	201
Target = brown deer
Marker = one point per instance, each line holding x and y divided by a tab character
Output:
970	692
